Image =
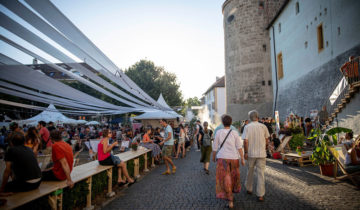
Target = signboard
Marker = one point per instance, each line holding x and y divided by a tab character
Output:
277	120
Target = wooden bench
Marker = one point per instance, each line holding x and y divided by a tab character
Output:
79	173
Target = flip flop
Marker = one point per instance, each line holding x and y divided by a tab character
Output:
131	183
166	173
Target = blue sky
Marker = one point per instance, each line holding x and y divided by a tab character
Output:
184	36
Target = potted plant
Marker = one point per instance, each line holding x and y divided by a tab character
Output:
134	146
321	155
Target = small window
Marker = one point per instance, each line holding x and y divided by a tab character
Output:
280	66
297	8
320	38
261	4
339	31
264	47
230	18
263	83
279	27
306	44
269	82
325	11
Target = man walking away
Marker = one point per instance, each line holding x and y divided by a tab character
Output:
256	137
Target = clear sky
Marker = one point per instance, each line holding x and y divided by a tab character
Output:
184	36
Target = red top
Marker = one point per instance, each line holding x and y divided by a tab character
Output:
45	135
101	154
61	150
146	138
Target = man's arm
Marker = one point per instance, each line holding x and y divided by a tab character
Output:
246	147
169	137
66	168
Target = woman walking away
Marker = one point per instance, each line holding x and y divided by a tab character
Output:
107	159
181	144
149	144
205	141
226	149
32	140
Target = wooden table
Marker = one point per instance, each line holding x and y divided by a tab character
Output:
295	158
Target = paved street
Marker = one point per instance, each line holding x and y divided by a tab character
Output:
287	187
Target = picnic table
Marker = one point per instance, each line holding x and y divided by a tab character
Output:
295	158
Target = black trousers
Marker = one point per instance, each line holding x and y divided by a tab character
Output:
21	186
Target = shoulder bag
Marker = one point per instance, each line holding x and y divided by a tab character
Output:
222	144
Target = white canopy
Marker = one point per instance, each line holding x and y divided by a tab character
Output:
81	121
159	114
93	123
49	114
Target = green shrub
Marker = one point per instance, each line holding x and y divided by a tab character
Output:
99	184
130	167
76	196
297	140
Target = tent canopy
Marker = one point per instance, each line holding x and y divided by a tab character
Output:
159	114
49	114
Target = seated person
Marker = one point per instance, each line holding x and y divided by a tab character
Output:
125	143
62	157
352	158
149	144
106	158
20	160
275	140
349	141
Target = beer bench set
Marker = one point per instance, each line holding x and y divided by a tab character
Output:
79	173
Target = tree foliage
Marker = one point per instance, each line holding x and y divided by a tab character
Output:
195	101
155	80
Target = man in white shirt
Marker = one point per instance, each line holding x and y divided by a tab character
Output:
256	137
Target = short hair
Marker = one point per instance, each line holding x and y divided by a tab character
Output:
253	115
307	120
13	126
164	120
42	123
350	134
55	135
198	121
105	132
18	139
226	120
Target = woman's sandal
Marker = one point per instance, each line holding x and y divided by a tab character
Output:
166	173
131	183
122	183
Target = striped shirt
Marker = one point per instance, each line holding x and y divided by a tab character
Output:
256	134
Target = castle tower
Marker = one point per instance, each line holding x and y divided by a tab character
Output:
247	56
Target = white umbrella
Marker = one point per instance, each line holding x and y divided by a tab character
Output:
81	121
93	123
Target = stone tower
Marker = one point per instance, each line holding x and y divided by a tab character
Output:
247	56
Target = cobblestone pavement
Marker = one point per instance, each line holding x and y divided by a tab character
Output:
287	187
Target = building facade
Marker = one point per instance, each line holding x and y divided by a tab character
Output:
310	40
247	56
214	104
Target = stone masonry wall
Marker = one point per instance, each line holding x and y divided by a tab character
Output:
311	91
247	56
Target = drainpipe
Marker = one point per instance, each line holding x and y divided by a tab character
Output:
276	73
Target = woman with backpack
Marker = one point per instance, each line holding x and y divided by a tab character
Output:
205	137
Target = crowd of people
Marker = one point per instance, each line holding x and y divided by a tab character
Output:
230	148
23	144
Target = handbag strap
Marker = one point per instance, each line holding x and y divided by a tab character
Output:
223	141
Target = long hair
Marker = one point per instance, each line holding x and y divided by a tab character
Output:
32	135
